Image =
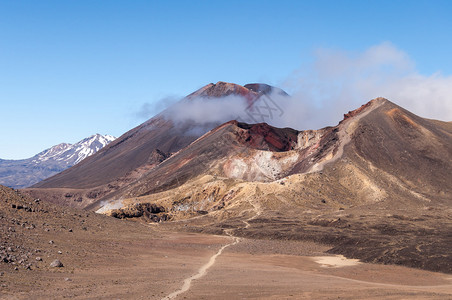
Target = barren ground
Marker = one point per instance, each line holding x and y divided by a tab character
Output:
107	258
153	264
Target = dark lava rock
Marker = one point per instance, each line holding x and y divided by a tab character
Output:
137	210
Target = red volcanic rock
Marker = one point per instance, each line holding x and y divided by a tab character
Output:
250	91
353	113
223	89
265	137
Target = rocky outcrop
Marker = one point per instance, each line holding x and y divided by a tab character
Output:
265	137
150	211
157	156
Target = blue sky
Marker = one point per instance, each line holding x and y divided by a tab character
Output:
69	69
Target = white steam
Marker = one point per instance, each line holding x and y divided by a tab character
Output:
335	83
206	110
148	110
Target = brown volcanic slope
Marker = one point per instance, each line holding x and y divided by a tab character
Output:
134	153
376	187
414	151
199	157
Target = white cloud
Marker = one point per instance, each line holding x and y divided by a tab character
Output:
335	83
338	81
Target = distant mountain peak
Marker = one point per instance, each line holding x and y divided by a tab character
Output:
25	172
72	154
89	146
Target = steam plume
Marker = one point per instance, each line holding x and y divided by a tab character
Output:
322	92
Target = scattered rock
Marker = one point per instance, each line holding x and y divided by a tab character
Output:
157	218
56	264
219	206
38	258
51	242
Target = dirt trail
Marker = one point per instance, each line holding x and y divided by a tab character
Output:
203	270
258	211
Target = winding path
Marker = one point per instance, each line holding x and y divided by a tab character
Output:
203	270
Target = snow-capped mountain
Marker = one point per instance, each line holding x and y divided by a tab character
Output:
26	172
73	154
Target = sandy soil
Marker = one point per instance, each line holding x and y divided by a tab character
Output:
146	267
336	261
107	258
155	267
